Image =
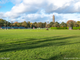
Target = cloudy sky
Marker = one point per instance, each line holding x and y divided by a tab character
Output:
40	10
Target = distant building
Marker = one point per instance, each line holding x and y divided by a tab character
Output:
53	18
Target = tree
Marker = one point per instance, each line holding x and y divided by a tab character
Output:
76	25
35	24
24	24
31	25
44	25
48	25
78	22
18	24
40	24
28	24
15	23
2	22
56	24
5	25
8	23
63	24
51	24
70	23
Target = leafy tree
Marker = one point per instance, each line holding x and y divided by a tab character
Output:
51	24
4	25
35	24
40	24
8	23
63	24
28	24
70	23
48	25
31	25
2	22
24	24
76	25
18	24
15	23
78	22
44	25
56	24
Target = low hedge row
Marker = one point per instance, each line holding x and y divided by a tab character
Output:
64	27
76	27
58	27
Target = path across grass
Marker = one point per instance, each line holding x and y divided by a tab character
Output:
39	44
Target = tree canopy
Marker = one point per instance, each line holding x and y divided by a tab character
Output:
70	23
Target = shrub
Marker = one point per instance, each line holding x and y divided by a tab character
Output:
53	27
76	27
59	28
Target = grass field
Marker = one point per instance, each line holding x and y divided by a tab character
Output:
29	44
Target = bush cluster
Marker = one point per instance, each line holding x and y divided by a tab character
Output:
76	27
59	27
64	27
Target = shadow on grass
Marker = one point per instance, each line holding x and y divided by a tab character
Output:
57	57
36	43
68	55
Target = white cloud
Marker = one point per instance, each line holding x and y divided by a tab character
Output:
65	17
43	10
59	6
48	17
43	17
50	6
16	1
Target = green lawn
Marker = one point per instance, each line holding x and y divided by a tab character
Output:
39	44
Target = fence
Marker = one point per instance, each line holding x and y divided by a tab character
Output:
13	28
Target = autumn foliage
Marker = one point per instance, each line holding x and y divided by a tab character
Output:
70	21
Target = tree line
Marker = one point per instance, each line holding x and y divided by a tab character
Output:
70	23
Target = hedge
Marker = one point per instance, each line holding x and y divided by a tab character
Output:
53	27
64	27
59	28
76	27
